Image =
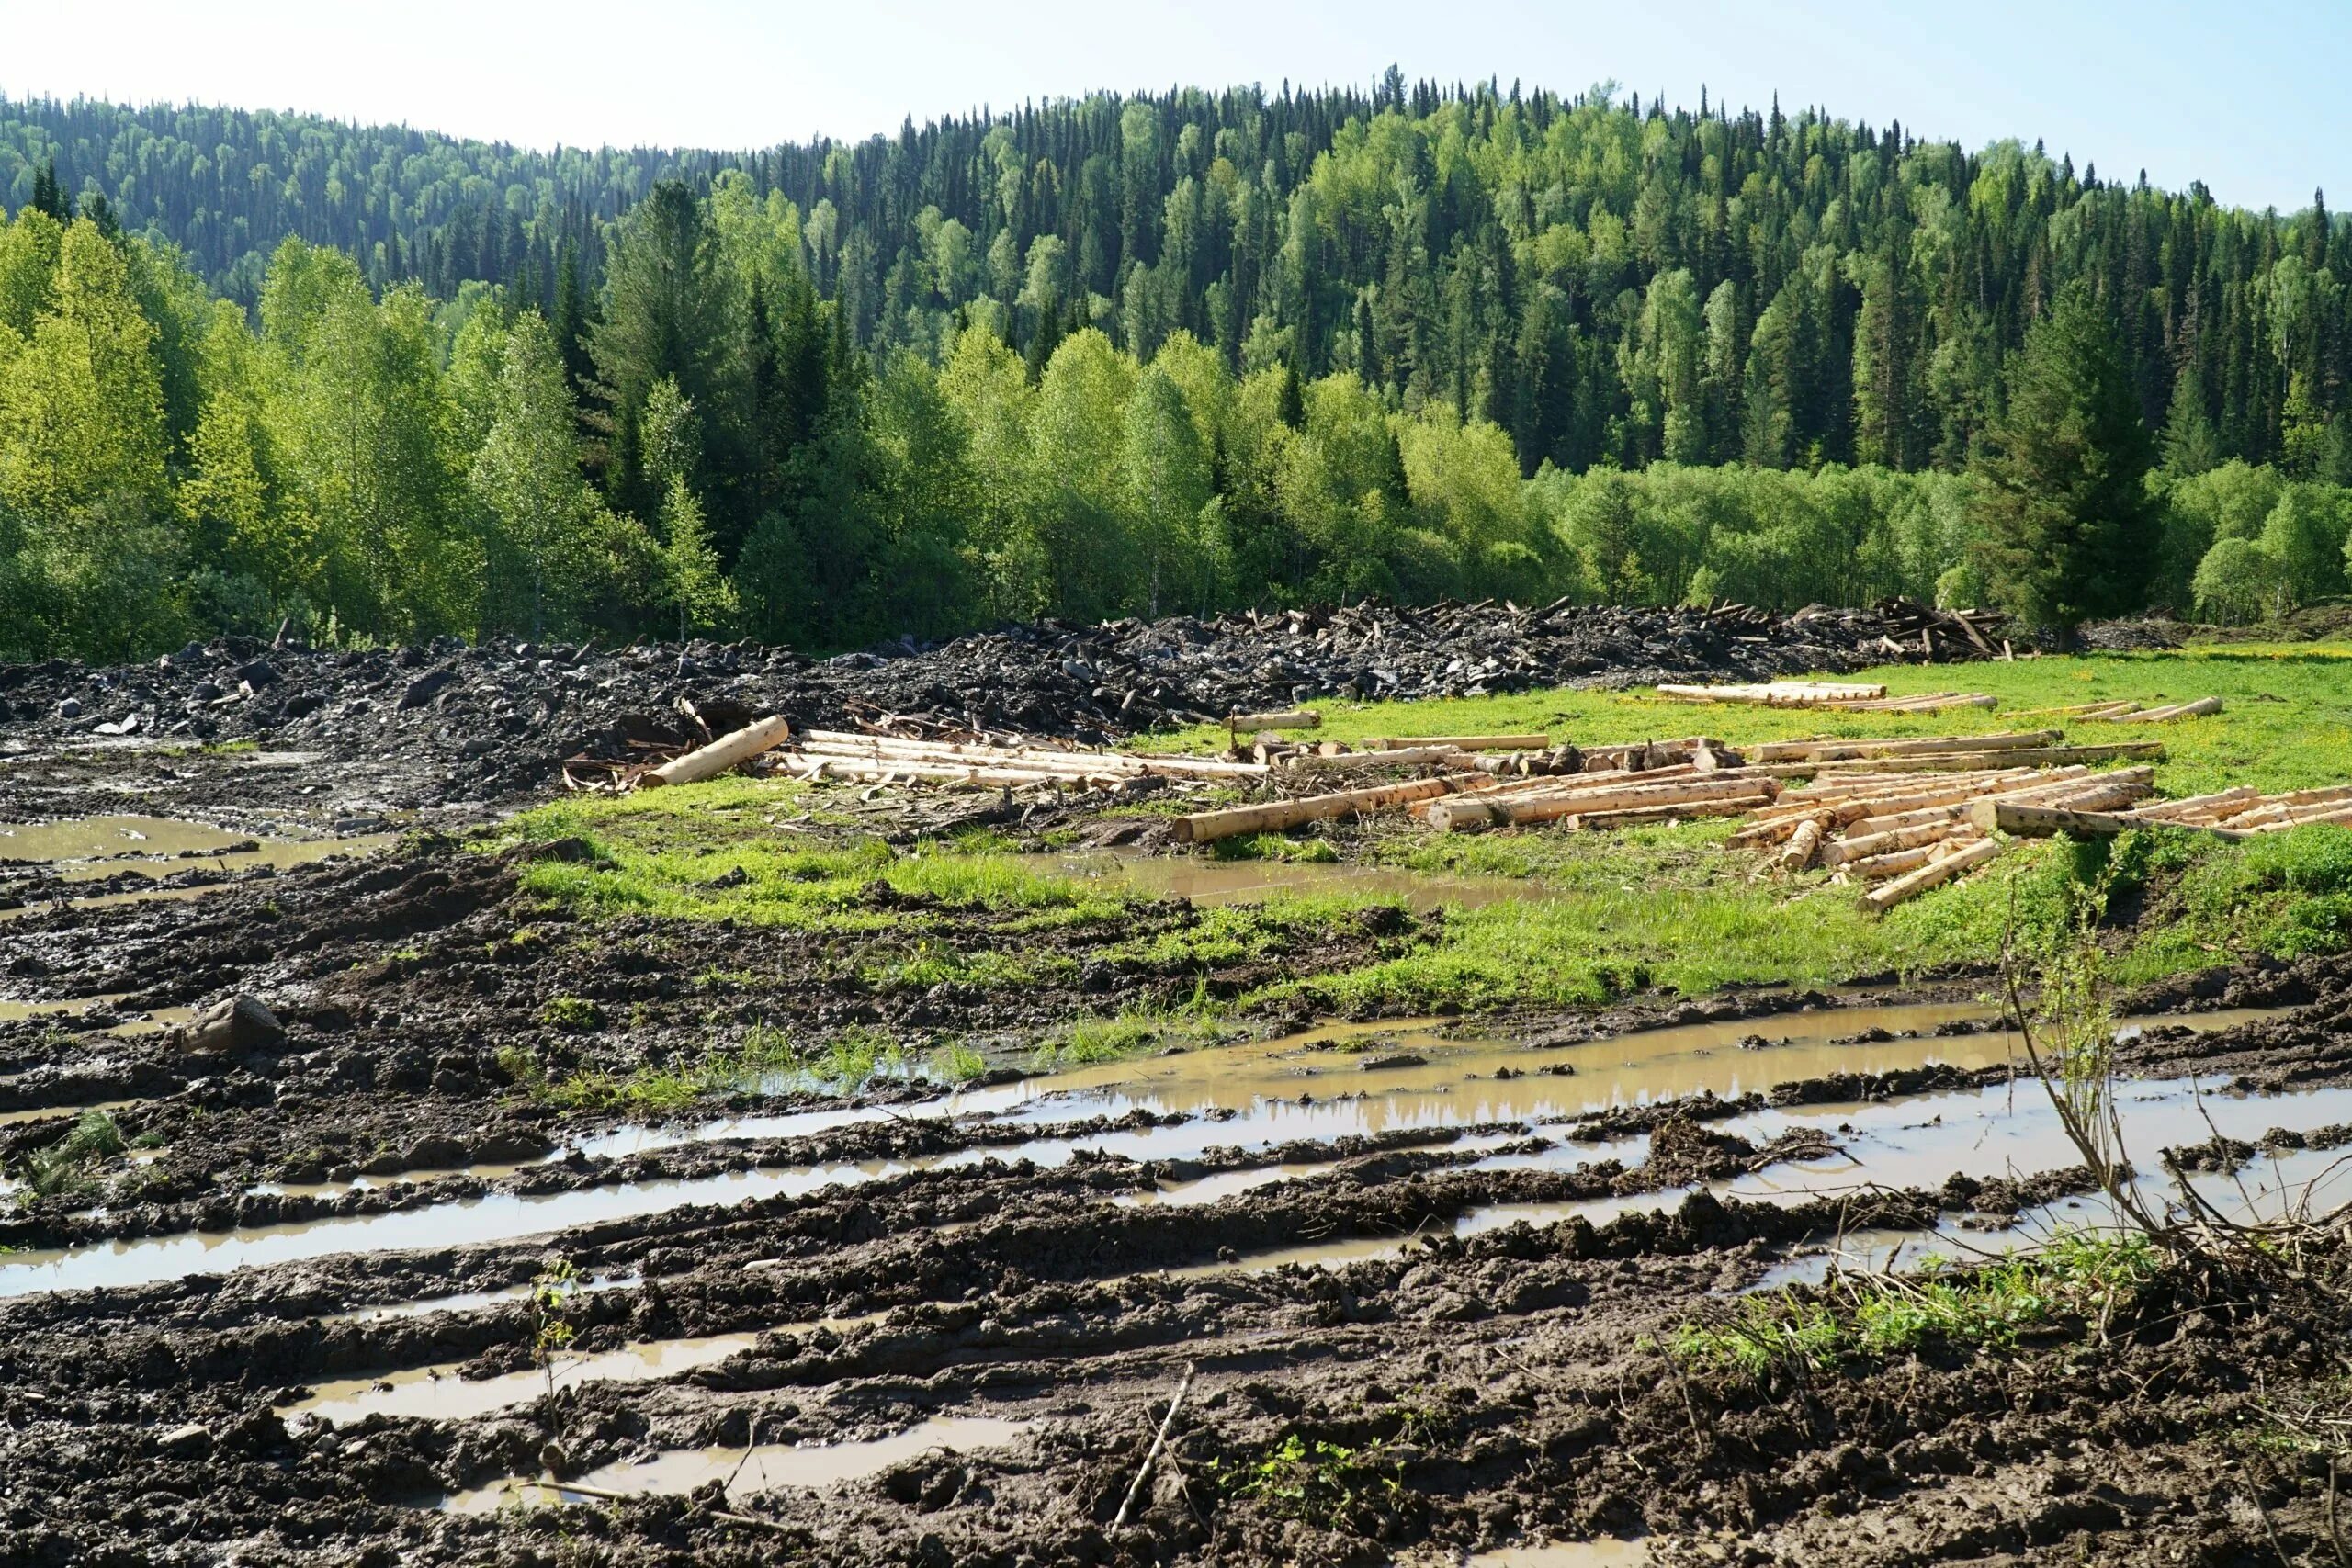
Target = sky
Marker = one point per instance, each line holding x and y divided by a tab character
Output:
2243	95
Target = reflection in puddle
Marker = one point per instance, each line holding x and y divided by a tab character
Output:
470	1300
1306	1086
91	848
437	1393
680	1470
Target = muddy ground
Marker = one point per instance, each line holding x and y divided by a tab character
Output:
1424	1272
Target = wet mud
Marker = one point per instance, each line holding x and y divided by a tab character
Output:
366	1291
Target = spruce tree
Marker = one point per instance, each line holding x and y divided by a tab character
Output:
2061	494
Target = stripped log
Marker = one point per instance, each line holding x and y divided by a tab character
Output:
2080	710
2243	797
2178	710
1777	694
1935	874
1651	815
1899	862
838	742
2021	819
906	771
2096	792
1868	844
2152	750
1273	816
1363	761
728	750
1251	723
1931	702
1802	845
1829	750
1461	742
1452	815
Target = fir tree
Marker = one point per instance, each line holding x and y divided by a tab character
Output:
2061	494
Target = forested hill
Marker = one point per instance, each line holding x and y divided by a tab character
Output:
1608	282
1131	356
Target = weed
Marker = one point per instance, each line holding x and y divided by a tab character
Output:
1323	1482
955	1062
523	1068
552	1330
64	1165
2076	1277
572	1013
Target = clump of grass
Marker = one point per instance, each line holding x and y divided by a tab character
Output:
1276	847
572	1013
64	1166
955	1062
2078	1276
1127	1034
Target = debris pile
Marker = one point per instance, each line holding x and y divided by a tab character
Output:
445	720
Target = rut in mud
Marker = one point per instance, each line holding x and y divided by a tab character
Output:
933	1324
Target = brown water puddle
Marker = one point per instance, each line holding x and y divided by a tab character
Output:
1363	1073
46	1112
87	849
679	1471
439	1394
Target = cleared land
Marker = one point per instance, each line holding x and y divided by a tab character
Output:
915	1143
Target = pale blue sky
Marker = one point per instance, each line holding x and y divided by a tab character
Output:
2247	96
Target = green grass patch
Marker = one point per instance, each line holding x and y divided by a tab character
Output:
64	1166
1128	1034
2076	1277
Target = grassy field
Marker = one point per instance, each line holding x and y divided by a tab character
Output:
1604	914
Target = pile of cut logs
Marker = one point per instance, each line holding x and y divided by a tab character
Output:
859	757
2238	812
1904	834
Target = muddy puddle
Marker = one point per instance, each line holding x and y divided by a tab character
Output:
92	849
1254	882
1310	1086
767	1468
438	1394
470	1300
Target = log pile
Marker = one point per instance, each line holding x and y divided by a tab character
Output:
1900	835
2239	813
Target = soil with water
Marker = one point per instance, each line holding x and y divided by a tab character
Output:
1419	1268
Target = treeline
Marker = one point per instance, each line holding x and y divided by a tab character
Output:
701	446
1610	284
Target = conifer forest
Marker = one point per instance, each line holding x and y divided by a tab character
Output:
1117	356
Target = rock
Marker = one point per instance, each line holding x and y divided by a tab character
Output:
191	1441
238	1024
69	707
424	688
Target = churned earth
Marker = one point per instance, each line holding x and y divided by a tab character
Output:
784	1173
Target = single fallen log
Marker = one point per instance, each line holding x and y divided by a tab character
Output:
1364	761
1777	694
2152	750
1935	874
1460	742
1927	746
2081	710
1802	845
1273	816
2178	710
1295	718
1650	815
1452	815
2022	819
838	742
2245	797
726	751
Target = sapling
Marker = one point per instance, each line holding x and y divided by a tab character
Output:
552	1328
